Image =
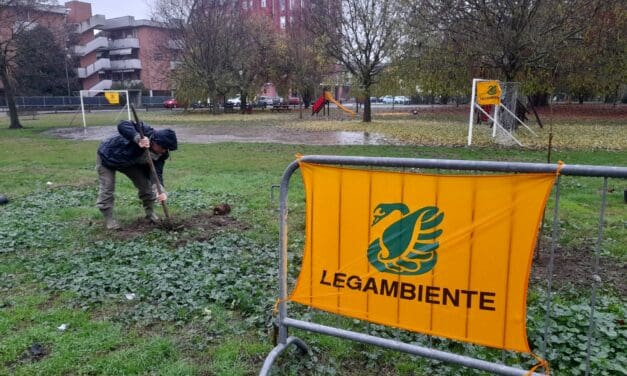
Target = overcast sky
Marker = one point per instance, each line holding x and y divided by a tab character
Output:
118	8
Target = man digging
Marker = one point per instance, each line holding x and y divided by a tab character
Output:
126	153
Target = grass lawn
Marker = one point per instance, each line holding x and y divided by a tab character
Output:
199	300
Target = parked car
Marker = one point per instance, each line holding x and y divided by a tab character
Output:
293	100
171	103
201	104
236	101
263	101
401	99
388	99
374	100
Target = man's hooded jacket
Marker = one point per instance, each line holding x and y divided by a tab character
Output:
122	151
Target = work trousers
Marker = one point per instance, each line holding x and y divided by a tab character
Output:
106	184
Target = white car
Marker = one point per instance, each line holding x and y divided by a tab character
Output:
236	102
388	99
401	99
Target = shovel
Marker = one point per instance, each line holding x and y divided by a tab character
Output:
153	172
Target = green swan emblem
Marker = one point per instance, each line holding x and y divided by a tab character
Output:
401	249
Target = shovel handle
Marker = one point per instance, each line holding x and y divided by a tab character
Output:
153	172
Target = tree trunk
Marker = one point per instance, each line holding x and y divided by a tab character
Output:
215	105
10	96
367	108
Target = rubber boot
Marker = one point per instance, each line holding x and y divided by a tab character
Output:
110	222
151	216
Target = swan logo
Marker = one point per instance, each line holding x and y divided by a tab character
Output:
407	246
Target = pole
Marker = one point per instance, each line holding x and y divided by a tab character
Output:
83	109
128	106
67	78
472	110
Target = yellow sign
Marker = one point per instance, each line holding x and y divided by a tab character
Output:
488	92
112	97
446	255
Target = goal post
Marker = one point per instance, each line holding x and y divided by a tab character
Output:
111	97
488	92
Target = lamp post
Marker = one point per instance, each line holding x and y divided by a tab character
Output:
67	76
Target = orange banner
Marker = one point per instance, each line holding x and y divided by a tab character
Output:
488	92
446	255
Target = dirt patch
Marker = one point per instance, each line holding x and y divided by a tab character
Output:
573	269
199	227
34	353
245	134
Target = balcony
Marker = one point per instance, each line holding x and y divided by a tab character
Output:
102	85
99	65
96	21
124	43
127	83
128	64
100	43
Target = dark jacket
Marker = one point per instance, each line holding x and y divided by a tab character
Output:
122	150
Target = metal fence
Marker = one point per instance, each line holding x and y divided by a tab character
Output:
66	103
283	321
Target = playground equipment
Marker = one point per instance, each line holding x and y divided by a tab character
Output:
324	99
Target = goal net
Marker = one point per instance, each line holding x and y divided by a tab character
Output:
104	107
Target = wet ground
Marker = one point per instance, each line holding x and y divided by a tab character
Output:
208	135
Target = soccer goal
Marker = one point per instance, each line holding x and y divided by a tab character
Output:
105	101
488	94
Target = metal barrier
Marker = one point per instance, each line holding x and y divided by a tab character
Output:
283	321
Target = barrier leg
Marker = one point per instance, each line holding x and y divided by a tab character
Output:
278	349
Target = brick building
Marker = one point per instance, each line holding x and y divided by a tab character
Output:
132	53
118	52
282	12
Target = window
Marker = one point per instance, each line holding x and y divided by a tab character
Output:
282	5
263	3
282	22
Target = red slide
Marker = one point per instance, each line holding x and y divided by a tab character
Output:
319	105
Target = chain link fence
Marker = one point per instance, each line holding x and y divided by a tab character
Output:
72	103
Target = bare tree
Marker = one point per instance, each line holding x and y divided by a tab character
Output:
221	48
595	61
505	37
202	39
256	57
359	34
17	17
300	62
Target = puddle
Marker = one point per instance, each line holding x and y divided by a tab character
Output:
198	135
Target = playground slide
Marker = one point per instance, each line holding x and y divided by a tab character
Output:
322	100
319	105
329	97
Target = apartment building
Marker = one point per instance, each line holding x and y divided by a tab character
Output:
119	52
129	52
281	12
